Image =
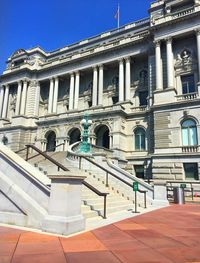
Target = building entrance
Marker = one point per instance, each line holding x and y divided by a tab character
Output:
74	136
102	136
51	141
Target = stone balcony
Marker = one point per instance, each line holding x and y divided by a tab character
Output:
190	149
188	96
173	16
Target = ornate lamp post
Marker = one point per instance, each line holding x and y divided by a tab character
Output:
85	145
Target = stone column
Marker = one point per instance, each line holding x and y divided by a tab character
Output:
100	94
76	95
5	102
50	102
170	63
128	79
19	94
159	79
55	95
121	80
95	86
24	97
1	99
150	78
198	51
37	99
71	92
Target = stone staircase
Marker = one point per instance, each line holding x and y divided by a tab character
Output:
92	204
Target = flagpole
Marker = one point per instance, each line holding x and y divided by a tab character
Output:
118	14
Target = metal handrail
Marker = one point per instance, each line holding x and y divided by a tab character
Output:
114	175
182	182
60	166
46	157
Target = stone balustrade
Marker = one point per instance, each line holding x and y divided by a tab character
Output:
190	149
188	96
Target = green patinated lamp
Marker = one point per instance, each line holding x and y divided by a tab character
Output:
85	146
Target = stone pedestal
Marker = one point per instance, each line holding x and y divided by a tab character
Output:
160	194
164	96
198	88
64	212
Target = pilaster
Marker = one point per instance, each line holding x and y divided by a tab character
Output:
1	99
55	95
95	86
159	71
128	78
170	63
71	92
100	95
24	97
76	95
121	80
5	102
18	102
50	101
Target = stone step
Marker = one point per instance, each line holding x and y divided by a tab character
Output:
111	205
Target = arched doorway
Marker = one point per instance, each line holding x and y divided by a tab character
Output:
51	141
102	136
74	136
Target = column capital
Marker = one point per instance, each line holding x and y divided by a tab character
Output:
121	60
56	77
71	74
197	31
157	43
127	59
168	40
19	82
101	66
94	67
77	72
25	80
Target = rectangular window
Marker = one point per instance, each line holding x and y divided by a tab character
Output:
139	171
191	171
185	137
188	85
143	98
193	136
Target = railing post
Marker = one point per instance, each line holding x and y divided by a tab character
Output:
27	150
104	213
106	179
145	199
135	201
80	162
192	190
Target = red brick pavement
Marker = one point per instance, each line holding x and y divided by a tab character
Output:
170	234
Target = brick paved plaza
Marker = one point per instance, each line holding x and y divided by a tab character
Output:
166	235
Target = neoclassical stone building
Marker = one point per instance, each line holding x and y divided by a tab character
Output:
140	85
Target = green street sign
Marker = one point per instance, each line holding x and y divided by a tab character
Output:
182	185
135	186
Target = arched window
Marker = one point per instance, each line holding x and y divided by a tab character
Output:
189	133
140	138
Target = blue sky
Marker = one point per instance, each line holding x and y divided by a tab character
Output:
52	24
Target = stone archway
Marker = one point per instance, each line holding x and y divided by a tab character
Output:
74	135
51	141
102	136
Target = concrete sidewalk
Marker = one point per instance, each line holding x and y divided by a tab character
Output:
169	234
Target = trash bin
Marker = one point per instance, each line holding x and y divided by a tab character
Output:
179	197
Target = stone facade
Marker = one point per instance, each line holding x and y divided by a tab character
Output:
140	85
